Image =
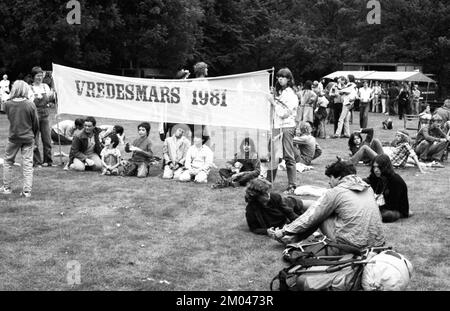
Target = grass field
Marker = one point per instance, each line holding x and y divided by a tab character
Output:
152	234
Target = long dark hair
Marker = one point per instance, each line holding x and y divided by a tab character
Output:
308	85
249	141
384	165
284	72
351	140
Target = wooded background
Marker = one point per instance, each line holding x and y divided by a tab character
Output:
311	37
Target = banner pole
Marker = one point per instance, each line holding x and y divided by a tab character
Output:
271	158
57	126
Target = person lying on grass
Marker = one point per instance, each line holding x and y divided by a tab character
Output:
347	213
142	153
399	152
267	209
391	191
111	155
199	160
86	148
355	142
244	167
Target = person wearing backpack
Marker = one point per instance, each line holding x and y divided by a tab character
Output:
347	213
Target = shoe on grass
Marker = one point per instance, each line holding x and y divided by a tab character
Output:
290	190
4	190
25	194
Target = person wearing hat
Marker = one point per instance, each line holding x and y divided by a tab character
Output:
399	152
431	141
41	95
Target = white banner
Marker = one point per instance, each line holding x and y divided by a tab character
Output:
230	101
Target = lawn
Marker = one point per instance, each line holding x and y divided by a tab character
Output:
153	234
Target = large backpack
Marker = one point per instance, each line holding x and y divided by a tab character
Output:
321	265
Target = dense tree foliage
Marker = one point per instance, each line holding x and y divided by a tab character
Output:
312	37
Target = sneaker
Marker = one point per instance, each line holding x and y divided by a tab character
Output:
290	190
25	194
57	154
4	190
48	164
335	136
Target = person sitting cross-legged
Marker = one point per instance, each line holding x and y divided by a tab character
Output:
86	148
266	209
431	141
244	167
142	153
306	147
347	213
111	155
391	191
174	152
199	160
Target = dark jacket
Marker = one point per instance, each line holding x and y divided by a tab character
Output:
394	190
251	163
80	145
429	134
276	213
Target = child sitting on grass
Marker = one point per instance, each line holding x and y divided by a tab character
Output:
142	154
111	156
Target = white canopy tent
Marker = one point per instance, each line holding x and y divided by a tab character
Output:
357	74
413	76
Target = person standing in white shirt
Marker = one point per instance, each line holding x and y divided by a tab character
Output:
365	96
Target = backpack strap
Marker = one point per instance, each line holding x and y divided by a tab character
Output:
348	249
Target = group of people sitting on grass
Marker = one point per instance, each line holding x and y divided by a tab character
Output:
350	212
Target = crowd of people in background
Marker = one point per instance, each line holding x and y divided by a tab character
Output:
351	211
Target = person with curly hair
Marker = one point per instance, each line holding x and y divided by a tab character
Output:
266	209
347	213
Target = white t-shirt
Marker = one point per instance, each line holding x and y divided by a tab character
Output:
364	94
284	115
39	91
4	90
